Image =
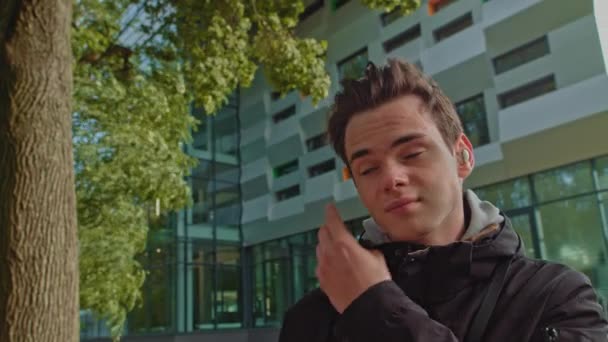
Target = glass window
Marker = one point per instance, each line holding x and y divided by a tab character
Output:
526	92
402	38
227	297
202	169
276	249
304	262
316	142
601	168
228	255
258	295
200	209
227	173
573	233
453	27
389	17
200	138
225	198
227	211
563	182
335	4
202	251
157	313
353	66
523	227
202	296
521	55
507	195
322	168
312	6
225	134
284	114
288	193
472	113
285	169
276	285
275	95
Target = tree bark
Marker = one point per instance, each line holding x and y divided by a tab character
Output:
38	231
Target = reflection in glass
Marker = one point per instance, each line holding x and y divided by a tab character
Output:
573	233
521	224
507	195
216	286
353	67
565	181
472	113
156	315
601	168
228	296
521	55
276	284
202	295
225	134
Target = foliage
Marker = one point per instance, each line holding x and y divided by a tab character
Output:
138	67
405	7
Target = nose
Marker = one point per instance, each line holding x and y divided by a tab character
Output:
394	177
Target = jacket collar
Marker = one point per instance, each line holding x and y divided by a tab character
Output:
458	264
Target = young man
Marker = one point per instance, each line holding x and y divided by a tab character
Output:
435	262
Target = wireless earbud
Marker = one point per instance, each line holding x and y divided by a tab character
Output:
465	156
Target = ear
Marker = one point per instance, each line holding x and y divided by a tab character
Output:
464	156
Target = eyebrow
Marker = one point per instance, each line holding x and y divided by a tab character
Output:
399	141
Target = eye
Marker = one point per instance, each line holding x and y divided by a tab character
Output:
411	155
368	170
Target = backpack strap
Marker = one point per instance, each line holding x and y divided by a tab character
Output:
480	321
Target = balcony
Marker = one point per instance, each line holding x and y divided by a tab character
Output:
254	169
255	209
455	50
554	109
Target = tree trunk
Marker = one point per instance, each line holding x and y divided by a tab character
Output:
38	231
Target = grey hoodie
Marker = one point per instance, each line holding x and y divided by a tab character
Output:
483	214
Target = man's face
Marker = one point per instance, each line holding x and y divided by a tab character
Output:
406	176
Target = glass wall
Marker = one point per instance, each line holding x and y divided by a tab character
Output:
156	315
193	258
209	285
561	215
284	271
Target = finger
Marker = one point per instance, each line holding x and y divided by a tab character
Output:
326	247
336	228
324	236
319	254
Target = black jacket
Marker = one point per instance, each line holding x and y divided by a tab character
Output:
436	291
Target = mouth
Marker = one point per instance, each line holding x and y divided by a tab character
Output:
400	204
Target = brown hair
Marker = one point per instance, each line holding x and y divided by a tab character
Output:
383	84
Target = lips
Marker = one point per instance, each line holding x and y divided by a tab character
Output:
398	203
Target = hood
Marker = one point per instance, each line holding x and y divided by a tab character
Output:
488	238
483	214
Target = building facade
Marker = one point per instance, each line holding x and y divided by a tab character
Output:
529	79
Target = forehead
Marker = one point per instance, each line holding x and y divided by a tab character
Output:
402	116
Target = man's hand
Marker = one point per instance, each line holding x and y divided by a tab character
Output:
345	269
